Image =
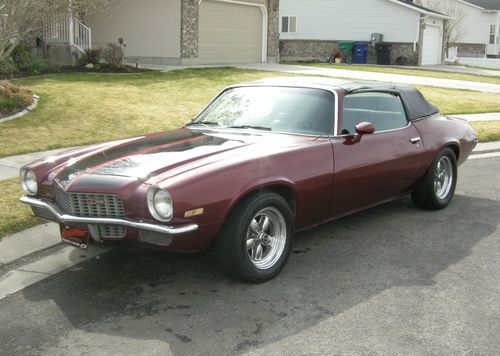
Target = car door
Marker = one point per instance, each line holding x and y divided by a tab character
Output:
372	168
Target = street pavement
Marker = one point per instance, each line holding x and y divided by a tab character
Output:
391	280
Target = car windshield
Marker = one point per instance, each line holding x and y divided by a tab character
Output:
277	109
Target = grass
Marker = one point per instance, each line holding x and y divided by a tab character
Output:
455	101
83	108
479	67
13	98
14	216
487	131
410	71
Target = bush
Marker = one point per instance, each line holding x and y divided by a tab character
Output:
24	60
113	54
13	98
92	56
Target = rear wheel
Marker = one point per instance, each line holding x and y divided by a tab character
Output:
435	191
256	240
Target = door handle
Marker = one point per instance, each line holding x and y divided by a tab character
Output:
415	140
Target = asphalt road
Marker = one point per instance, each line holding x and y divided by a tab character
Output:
390	280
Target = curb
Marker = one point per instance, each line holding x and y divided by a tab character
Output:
30	108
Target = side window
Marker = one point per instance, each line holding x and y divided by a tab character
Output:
384	110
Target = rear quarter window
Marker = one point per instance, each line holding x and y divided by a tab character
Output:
384	110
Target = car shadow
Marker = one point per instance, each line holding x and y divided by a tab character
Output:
186	304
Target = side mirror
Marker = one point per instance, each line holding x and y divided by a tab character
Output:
364	128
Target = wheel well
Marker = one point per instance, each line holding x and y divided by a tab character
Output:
284	191
456	150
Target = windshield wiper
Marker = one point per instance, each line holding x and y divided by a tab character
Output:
203	123
250	127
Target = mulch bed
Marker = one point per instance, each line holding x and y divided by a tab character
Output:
72	69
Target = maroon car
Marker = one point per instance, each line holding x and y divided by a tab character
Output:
261	161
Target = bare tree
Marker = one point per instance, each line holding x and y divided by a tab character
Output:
454	28
21	20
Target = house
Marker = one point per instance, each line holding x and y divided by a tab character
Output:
479	30
181	32
309	29
178	32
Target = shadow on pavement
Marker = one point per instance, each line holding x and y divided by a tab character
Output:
184	304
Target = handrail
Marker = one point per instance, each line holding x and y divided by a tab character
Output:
69	31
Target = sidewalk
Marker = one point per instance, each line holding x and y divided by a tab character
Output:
9	166
492	116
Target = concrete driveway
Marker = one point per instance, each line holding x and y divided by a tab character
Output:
390	280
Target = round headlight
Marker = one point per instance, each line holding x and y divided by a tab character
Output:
28	181
160	204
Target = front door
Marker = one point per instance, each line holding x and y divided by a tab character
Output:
381	165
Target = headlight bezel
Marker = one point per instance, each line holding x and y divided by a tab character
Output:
29	181
155	196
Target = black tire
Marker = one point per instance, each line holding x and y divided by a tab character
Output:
427	193
232	249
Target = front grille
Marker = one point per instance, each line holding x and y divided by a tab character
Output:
89	204
111	231
93	205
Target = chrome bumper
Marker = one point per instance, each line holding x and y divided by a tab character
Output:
68	219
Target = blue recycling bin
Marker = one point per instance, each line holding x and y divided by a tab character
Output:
360	53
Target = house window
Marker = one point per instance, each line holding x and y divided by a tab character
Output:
492	34
288	24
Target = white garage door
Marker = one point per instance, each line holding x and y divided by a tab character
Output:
431	45
229	33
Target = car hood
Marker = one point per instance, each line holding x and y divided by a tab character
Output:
140	158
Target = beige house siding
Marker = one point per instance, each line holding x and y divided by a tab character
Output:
150	28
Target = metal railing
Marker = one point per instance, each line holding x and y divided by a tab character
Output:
69	31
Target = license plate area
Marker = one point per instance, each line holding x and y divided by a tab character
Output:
76	236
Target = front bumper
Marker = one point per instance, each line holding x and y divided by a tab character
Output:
139	225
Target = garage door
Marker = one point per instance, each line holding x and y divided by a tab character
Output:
431	46
229	33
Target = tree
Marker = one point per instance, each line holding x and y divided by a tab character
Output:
453	29
22	20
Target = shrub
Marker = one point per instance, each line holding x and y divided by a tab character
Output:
13	98
91	56
113	54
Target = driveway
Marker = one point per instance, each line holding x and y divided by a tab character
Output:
375	76
390	280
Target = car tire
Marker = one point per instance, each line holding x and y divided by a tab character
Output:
435	190
256	239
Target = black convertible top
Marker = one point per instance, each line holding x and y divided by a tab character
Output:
416	106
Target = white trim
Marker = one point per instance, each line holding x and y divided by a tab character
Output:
422	11
264	22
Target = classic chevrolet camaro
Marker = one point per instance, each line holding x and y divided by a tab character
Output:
261	161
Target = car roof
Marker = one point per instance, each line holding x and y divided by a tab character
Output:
417	107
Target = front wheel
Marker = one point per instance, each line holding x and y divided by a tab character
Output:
437	187
256	240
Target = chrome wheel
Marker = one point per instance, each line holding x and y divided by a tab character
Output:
266	238
443	177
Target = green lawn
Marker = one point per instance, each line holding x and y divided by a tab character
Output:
409	71
83	108
14	216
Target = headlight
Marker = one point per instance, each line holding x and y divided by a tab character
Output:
28	181
160	204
